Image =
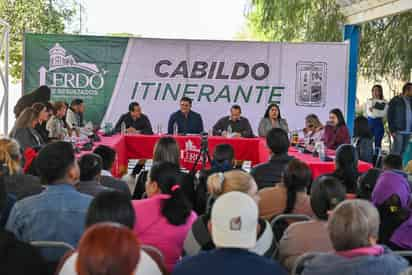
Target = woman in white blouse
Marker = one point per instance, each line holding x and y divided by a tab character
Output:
376	108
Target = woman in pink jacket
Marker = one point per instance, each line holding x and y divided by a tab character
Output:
164	219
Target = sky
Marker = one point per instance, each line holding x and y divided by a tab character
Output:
190	19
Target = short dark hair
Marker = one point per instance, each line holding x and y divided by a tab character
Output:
224	152
177	208
132	105
361	128
278	141
90	166
326	193
236	107
367	182
111	206
338	113
406	87
108	155
393	161
186	99
76	102
54	161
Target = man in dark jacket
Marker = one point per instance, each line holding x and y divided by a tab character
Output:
239	125
187	121
400	119
106	179
135	121
269	174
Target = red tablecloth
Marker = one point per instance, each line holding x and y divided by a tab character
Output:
253	149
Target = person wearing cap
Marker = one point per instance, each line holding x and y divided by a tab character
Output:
391	196
199	239
233	227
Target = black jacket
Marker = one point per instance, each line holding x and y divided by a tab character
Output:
141	124
270	173
397	114
115	184
22	185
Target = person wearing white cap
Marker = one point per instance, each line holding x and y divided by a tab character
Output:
233	225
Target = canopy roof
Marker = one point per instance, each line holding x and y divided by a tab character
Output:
360	11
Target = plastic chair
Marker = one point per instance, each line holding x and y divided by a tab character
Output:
53	262
284	219
301	260
52	244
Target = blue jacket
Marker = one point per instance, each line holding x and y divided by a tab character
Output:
396	114
326	264
192	124
56	214
225	261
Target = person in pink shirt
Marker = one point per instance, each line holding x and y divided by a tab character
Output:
165	217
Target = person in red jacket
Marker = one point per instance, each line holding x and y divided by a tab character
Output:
336	132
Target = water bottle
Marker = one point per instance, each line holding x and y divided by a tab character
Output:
322	151
123	128
229	130
175	129
73	138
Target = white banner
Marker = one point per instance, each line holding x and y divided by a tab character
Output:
302	78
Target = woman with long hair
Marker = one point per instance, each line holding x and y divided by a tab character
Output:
290	195
346	162
17	183
313	130
24	130
363	139
272	119
165	217
42	114
336	132
376	109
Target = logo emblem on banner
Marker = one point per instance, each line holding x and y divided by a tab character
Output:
311	83
67	76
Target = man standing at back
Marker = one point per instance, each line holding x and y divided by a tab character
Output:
135	121
233	227
400	119
58	213
186	121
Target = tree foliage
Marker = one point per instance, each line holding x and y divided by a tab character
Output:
40	16
385	48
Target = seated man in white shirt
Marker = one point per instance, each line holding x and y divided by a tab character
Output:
74	115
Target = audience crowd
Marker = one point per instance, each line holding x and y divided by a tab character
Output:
62	213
